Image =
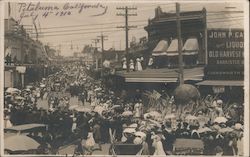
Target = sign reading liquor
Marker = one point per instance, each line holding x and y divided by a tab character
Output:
225	47
225	54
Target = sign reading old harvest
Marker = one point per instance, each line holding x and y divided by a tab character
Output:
225	53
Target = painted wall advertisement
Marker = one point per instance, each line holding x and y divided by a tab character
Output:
225	54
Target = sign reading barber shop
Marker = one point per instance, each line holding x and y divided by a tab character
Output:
225	49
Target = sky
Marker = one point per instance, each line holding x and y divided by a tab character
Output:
78	27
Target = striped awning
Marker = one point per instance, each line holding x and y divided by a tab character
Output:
191	47
161	48
173	48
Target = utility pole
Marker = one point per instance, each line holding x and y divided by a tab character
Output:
102	37
181	79
127	27
95	41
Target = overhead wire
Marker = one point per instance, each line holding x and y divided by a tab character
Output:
215	21
183	33
115	31
97	24
108	28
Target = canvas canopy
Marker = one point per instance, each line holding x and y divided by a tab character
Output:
161	48
191	47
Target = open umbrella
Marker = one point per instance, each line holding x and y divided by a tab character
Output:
73	107
220	120
8	96
224	130
127	113
99	109
169	116
118	108
185	93
12	90
155	114
19	143
97	89
129	130
82	109
42	85
134	125
115	106
19	98
29	86
202	130
190	118
57	84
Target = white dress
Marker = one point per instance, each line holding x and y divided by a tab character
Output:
124	65
158	147
90	142
8	124
131	65
138	65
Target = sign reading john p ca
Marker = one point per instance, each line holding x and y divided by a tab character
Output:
225	53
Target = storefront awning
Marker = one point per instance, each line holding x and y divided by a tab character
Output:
191	47
161	75
173	48
161	48
221	83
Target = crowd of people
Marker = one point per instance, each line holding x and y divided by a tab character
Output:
101	116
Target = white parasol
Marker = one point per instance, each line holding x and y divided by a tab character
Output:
220	120
191	117
27	90
169	116
227	129
134	125
155	115
137	140
115	106
129	130
97	89
82	109
202	130
99	109
29	87
42	85
127	113
12	90
72	107
19	98
8	96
